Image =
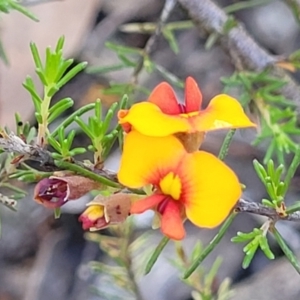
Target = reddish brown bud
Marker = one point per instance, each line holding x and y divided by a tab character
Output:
105	211
55	191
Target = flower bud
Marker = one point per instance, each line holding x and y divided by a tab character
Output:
55	191
105	211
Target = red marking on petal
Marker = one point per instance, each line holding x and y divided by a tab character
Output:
164	97
193	96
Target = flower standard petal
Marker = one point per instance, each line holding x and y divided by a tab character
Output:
223	111
164	97
148	119
193	96
210	189
171	221
146	160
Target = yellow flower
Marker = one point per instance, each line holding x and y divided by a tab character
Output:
195	185
162	115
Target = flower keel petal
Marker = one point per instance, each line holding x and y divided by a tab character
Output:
171	221
164	97
193	96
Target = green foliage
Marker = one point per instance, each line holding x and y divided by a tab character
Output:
53	74
256	239
120	270
271	178
127	55
24	130
97	129
27	174
63	145
136	59
278	118
3	55
7	5
277	187
202	281
200	257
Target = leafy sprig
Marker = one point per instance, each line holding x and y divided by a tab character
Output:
99	132
275	187
7	5
119	248
278	118
63	145
53	74
256	239
202	281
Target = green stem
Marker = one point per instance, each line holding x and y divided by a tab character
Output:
23	10
286	250
244	5
43	130
86	173
57	213
293	208
71	118
180	25
159	248
210	247
291	171
13	188
226	143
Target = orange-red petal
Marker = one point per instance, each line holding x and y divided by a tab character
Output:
223	111
146	160
193	96
210	189
146	203
164	97
171	221
148	119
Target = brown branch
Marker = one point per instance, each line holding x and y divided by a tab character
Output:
152	41
259	209
13	144
244	51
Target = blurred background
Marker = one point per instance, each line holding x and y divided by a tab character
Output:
42	258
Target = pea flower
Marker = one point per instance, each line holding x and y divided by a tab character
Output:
162	115
105	211
197	186
55	191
